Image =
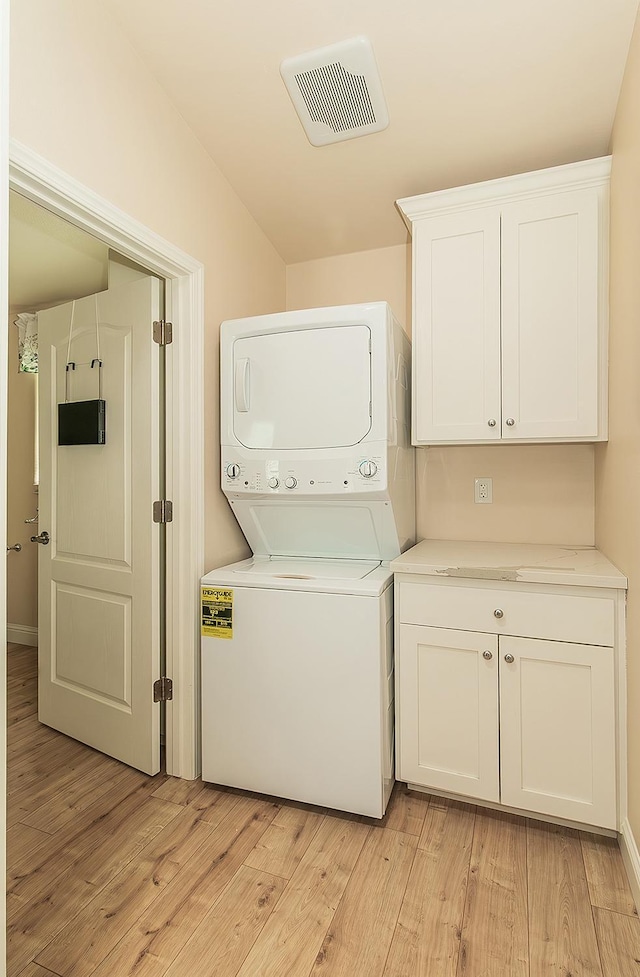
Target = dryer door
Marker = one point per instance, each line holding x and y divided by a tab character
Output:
307	388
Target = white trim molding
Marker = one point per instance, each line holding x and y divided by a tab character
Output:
631	858
584	175
21	634
40	181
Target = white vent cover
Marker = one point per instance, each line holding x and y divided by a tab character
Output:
337	91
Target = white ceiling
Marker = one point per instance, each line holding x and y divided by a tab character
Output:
476	89
50	261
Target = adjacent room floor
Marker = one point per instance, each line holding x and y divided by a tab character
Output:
114	873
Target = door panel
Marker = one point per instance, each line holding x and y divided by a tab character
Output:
309	388
457	328
447	710
99	649
557	726
550	316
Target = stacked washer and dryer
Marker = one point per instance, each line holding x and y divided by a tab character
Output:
317	465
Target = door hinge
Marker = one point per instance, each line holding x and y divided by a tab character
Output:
162	332
163	511
163	689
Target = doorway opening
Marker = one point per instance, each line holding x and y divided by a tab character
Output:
37	181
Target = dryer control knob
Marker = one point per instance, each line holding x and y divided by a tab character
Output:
290	482
273	482
368	469
233	471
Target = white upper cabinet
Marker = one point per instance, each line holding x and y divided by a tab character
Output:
510	308
456	327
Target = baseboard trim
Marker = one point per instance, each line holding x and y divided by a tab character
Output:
631	858
20	634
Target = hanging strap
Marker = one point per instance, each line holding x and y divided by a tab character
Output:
70	366
97	361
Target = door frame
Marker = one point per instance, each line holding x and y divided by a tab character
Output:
34	177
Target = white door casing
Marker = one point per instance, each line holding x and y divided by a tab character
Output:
45	184
98	578
4	306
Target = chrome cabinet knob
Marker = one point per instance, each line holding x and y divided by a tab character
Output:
491	422
487	655
509	659
510	422
498	612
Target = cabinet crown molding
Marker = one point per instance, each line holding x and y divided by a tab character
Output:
571	176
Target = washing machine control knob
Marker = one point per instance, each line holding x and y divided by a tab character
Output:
368	469
273	482
233	471
290	482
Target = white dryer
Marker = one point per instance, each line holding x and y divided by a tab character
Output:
315	431
317	465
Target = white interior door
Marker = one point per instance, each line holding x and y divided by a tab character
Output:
309	388
99	575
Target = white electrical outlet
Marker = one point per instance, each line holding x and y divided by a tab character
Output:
483	490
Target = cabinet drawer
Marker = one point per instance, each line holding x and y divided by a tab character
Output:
557	617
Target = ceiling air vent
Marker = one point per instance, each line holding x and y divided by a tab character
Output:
337	91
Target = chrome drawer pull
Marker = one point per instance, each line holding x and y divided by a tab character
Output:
498	612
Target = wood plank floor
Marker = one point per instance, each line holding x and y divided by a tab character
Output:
115	874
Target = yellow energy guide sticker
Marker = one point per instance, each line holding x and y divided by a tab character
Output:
216	612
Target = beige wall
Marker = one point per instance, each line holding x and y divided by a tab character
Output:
22	568
542	493
618	462
82	99
367	276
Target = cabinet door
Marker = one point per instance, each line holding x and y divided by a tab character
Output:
557	729
550	317
447	710
456	379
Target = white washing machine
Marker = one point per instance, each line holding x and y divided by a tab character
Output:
318	468
297	678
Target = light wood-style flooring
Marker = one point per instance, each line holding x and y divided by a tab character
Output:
112	873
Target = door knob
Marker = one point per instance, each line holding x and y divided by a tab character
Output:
509	659
16	546
41	538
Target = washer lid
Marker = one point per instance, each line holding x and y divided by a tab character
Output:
284	573
283	567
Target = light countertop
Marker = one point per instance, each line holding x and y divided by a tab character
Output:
580	566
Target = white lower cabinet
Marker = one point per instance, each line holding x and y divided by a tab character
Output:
448	688
526	722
